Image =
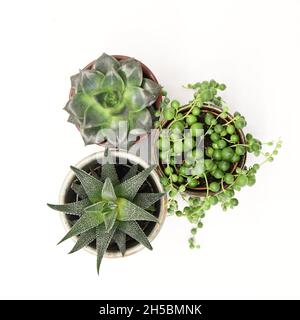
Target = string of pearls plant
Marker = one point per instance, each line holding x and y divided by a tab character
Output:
204	179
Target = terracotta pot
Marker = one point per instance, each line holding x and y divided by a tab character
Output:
147	74
151	229
202	190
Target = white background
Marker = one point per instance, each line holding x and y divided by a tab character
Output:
252	46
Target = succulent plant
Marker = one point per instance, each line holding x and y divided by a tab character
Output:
109	209
212	172
112	91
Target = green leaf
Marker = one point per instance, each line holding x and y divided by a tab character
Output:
102	241
133	229
73	120
113	82
108	170
131	172
119	125
132	72
129	211
75	208
138	99
108	192
105	63
92	186
120	239
129	188
153	87
75	80
92	135
140	122
96	207
84	240
110	219
78	189
91	81
95	116
77	106
145	200
86	222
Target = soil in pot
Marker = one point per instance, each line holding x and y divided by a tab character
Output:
201	188
148	186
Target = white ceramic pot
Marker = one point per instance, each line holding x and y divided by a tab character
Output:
133	159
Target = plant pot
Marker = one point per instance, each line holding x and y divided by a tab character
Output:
152	184
202	190
147	74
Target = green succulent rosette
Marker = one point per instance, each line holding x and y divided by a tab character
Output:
111	92
109	209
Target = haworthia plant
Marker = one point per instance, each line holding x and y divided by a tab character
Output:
109	209
111	92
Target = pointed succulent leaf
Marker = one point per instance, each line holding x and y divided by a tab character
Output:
75	80
108	170
95	116
151	209
140	121
145	200
153	87
120	239
92	135
113	82
129	188
133	229
101	134
119	130
132	72
77	106
131	172
73	120
108	192
105	63
110	219
101	206
91	81
110	205
91	185
138	99
128	211
86	222
75	208
102	241
96	207
84	240
78	189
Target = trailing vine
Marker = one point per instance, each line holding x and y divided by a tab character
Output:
217	169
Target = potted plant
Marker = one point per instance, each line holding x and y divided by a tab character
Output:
113	209
212	150
110	90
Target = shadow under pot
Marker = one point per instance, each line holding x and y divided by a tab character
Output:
147	73
201	189
92	165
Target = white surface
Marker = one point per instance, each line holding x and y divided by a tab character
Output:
252	46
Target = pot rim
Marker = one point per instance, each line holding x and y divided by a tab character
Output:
132	158
199	191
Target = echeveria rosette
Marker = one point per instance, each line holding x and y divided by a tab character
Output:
108	209
112	91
